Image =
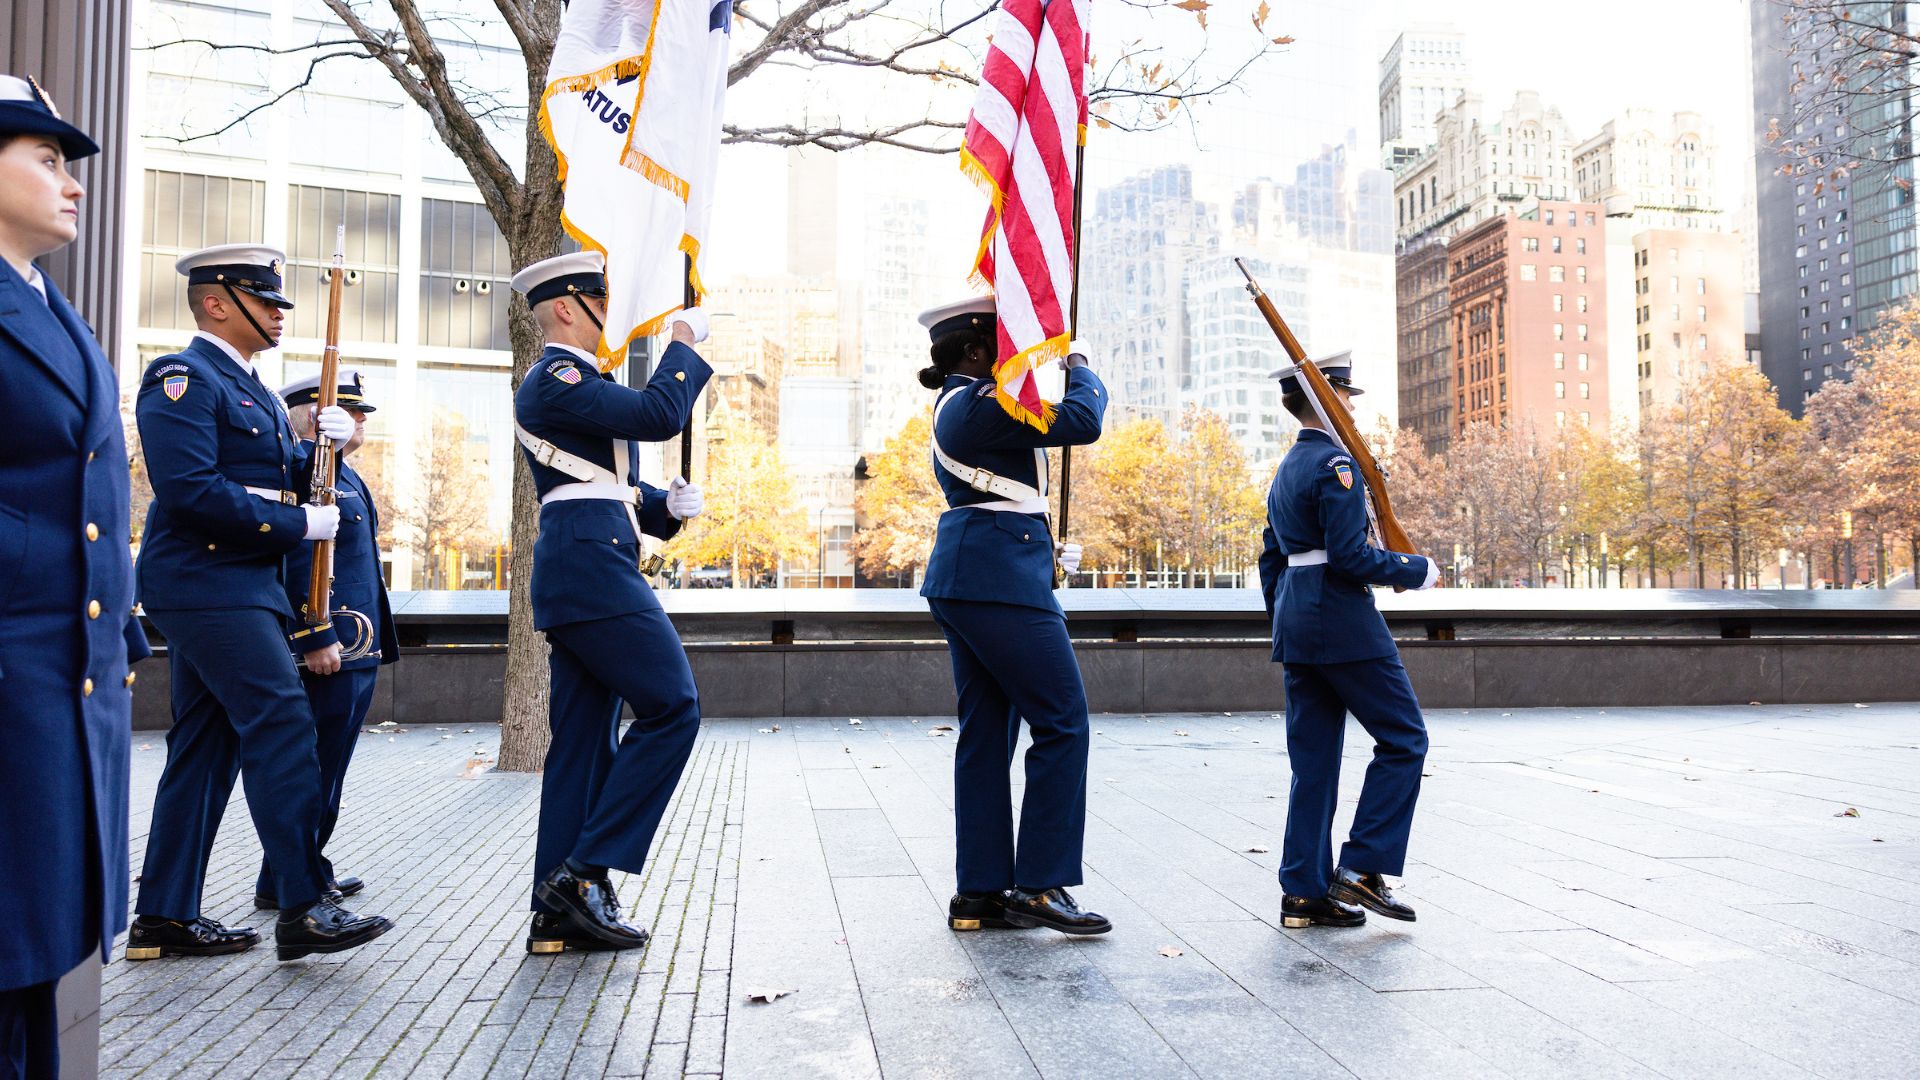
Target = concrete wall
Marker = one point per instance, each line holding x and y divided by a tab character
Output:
462	685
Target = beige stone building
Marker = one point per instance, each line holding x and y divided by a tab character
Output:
1690	308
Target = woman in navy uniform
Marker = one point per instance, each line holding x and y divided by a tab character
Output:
1315	572
67	632
339	689
989	584
603	794
223	461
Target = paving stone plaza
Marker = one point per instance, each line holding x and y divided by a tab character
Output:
1698	892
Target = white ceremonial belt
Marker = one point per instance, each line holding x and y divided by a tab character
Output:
275	495
1035	505
620	493
1316	557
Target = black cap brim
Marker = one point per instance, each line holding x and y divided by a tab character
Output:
271	296
17	118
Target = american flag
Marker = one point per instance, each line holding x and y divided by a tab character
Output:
1029	118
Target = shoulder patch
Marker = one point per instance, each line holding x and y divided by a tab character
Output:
567	371
174	386
159	370
986	389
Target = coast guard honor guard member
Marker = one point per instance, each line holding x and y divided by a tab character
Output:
67	631
603	795
223	460
1315	571
989	584
339	688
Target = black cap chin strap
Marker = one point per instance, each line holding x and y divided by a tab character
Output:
597	324
264	336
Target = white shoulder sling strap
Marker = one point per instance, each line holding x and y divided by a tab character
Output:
1014	495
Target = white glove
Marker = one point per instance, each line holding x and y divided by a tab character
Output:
1433	576
334	423
323	522
1075	348
696	320
1069	556
684	500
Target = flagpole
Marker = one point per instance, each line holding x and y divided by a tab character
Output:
686	433
1073	328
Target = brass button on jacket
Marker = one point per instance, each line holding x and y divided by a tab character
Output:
93	609
93	531
86	688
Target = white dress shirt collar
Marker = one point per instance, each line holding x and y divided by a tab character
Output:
233	354
37	282
581	353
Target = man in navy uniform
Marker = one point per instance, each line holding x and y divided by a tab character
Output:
224	460
989	586
603	794
339	687
67	631
1316	572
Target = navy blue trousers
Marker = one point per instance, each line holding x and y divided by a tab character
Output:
1319	697
1012	662
340	702
238	709
29	1033
603	793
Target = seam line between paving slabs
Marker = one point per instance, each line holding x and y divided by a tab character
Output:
680	929
972	961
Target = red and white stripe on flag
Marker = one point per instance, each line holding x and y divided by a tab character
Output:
1029	117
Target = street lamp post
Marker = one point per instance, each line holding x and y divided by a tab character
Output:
1603	560
1846	534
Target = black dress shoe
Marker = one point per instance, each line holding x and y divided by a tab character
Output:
1054	909
557	933
151	938
325	927
985	912
594	906
1370	891
348	886
1299	912
264	902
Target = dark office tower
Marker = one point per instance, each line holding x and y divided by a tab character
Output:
1806	218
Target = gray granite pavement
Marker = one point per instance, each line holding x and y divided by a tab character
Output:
1631	893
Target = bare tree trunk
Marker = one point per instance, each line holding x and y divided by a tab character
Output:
535	235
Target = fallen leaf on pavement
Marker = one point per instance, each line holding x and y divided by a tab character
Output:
943	727
1848	812
1170	951
765	997
1177	731
855	721
1257	850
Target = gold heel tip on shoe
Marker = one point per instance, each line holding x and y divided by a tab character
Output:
143	952
963	924
1293	922
546	948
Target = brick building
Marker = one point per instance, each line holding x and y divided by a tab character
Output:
1689	308
1528	308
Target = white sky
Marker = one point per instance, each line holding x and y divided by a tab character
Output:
1593	61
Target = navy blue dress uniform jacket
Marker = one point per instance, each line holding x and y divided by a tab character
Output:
1325	614
996	555
209	431
357	584
586	562
67	635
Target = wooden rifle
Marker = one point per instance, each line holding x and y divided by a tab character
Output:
318	609
1338	421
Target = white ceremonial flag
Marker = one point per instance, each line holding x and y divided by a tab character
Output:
632	109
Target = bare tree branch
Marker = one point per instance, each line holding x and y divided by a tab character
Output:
836	139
